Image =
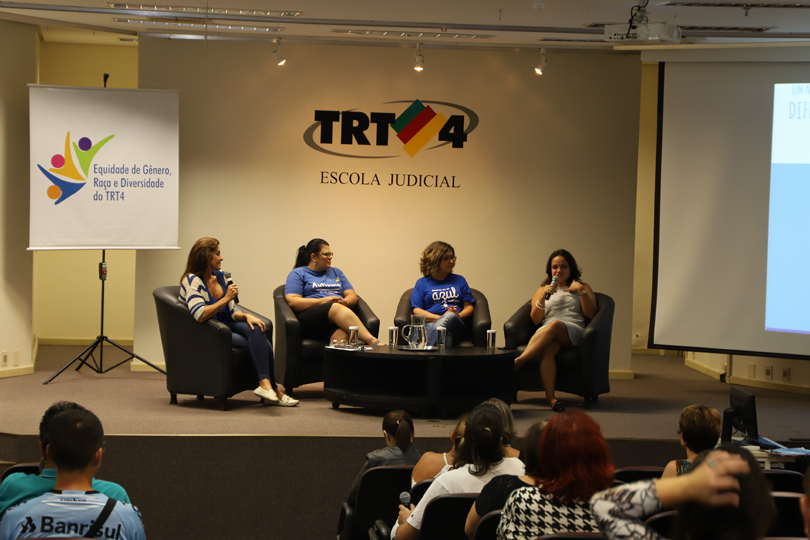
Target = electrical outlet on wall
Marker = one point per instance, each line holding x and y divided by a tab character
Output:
785	374
769	373
4	360
752	371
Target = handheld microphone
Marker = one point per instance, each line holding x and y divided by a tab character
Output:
405	499
229	281
548	295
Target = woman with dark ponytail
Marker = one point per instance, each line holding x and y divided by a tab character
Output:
479	459
322	297
399	450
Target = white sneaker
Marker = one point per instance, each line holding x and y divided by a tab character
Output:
269	395
287	401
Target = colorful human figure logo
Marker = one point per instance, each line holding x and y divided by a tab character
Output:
70	179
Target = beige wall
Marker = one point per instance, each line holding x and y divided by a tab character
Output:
552	164
66	64
17	69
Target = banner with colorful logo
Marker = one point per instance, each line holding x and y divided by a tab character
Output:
104	168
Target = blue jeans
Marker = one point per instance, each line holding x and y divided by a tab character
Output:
456	329
259	348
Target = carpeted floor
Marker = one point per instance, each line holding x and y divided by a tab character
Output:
646	407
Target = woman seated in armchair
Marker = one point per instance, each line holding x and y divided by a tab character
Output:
444	298
206	293
321	296
561	306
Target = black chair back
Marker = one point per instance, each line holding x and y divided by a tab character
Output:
781	480
418	491
662	523
27	468
488	526
445	517
378	496
628	475
789	520
570	536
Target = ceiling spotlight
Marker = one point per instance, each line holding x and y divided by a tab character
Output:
541	67
419	60
280	60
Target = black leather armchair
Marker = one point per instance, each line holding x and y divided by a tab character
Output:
203	359
298	360
477	325
582	370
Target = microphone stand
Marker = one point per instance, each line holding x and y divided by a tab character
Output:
87	354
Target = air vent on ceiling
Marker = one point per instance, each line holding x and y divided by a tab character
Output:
400	33
737	5
203	10
183	23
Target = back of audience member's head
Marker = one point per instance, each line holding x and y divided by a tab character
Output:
531	449
574	457
458	431
399	426
509	431
700	427
53	410
748	521
481	446
75	437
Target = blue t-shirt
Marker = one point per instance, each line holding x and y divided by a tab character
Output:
311	284
436	296
70	513
20	487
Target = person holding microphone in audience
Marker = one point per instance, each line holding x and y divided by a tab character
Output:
444	298
562	307
321	296
207	294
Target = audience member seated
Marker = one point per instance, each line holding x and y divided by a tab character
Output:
398	432
699	427
497	491
432	464
73	507
723	495
509	431
575	460
321	296
480	458
20	487
204	289
444	298
562	311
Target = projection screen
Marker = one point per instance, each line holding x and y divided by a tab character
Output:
733	210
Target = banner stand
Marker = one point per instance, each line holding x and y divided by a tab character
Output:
87	354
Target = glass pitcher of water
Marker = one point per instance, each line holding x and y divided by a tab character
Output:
414	333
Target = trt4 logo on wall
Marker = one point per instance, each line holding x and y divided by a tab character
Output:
418	127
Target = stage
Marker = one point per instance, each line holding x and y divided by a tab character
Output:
256	470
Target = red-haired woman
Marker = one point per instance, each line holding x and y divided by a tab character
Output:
575	459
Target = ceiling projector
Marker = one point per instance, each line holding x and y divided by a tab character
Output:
643	33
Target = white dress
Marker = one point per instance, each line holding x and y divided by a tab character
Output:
567	308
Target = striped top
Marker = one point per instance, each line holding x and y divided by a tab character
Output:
194	292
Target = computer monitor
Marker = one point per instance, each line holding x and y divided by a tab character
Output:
741	415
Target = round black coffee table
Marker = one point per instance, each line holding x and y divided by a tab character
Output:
447	380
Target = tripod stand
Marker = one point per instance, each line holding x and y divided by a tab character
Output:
87	354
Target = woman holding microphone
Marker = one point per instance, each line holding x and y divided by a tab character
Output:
562	307
206	293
